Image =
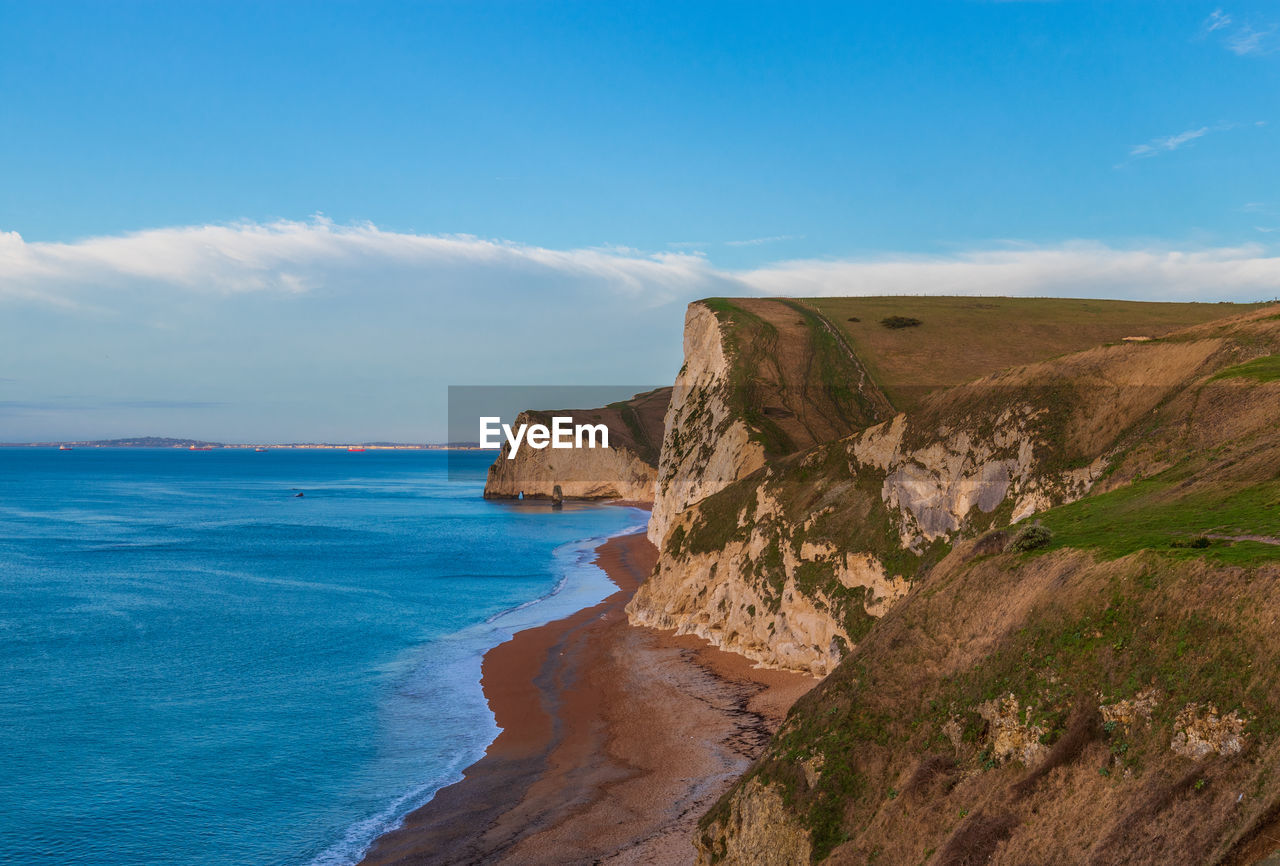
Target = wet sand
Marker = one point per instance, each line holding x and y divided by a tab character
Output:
614	741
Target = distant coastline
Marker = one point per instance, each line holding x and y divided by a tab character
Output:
165	442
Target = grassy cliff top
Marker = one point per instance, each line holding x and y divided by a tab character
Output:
793	378
961	339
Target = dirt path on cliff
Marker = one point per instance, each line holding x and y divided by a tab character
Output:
795	384
1262	539
615	740
866	385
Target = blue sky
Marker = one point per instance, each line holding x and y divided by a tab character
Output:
304	220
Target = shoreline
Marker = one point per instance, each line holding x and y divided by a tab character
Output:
613	740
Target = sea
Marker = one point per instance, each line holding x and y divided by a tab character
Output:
198	665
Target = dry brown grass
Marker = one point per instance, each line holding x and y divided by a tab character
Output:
962	339
791	388
991	543
1083	727
976	840
1064	811
933	775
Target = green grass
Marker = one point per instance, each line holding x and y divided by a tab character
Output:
717	522
1265	369
1153	515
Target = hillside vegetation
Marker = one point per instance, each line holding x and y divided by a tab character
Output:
962	339
1108	695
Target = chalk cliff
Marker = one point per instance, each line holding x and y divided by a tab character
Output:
704	445
1099	690
762	378
625	470
1042	602
791	564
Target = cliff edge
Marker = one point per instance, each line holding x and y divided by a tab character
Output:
762	378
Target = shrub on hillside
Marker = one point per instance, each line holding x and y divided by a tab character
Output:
896	322
1032	537
1197	543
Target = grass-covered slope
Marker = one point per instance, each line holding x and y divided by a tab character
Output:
792	378
1112	696
1027	708
962	339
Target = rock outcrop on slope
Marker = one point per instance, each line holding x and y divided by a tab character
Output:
625	470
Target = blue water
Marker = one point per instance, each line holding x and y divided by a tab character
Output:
199	667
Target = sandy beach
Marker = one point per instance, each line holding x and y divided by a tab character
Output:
614	741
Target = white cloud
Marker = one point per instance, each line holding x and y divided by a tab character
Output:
1239	39
755	242
294	257
153	269
1168	143
1079	269
314	330
1216	21
1247	40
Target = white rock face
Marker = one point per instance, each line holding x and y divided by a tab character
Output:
719	597
934	488
703	448
930	491
762	594
863	569
580	473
